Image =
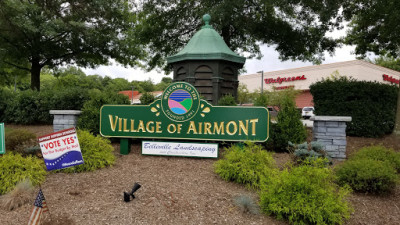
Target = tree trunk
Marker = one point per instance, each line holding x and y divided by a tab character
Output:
396	130
35	75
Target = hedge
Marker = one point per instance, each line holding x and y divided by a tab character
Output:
371	105
32	107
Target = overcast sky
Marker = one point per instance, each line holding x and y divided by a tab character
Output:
269	62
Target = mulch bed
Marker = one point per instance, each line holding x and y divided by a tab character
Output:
175	190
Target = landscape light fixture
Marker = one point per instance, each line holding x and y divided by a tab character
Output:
127	196
262	80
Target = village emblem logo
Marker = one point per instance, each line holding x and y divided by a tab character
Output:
180	102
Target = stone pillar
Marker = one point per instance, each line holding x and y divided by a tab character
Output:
64	119
331	132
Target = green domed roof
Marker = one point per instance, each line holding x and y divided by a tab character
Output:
206	44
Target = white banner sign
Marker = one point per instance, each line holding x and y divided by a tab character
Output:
180	149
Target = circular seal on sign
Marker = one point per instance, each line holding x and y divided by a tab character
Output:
180	101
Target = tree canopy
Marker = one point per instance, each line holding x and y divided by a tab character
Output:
374	26
296	28
38	33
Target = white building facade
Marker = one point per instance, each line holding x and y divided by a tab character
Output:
301	78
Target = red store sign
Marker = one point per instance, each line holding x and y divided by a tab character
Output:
284	79
390	79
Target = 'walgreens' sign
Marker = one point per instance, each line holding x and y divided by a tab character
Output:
279	80
390	79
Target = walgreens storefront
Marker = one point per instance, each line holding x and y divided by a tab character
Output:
302	78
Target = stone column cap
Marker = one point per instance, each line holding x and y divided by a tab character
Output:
66	112
331	118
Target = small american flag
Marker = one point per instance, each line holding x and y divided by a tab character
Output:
39	207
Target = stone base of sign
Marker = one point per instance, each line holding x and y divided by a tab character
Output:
124	146
64	119
331	132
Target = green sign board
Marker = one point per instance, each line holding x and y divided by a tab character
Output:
2	139
181	114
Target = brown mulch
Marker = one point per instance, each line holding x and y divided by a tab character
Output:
175	190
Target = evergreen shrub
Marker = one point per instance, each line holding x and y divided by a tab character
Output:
288	127
6	96
371	105
306	194
248	164
15	168
379	153
147	98
90	116
227	100
306	152
33	107
97	152
367	175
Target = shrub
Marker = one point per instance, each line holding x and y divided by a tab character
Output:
289	126
246	165
306	152
6	96
97	152
17	139
15	168
371	105
246	204
32	107
379	153
367	175
227	100
261	100
146	98
90	117
306	195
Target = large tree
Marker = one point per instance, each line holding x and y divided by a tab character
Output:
295	28
59	32
375	27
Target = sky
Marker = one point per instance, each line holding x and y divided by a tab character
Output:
269	62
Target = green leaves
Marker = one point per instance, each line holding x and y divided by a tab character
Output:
297	29
371	105
248	165
306	194
372	169
97	152
15	168
87	33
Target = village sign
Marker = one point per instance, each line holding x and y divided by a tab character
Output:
182	114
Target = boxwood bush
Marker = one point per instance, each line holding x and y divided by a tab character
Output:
367	175
371	105
248	164
306	194
97	152
379	153
15	168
